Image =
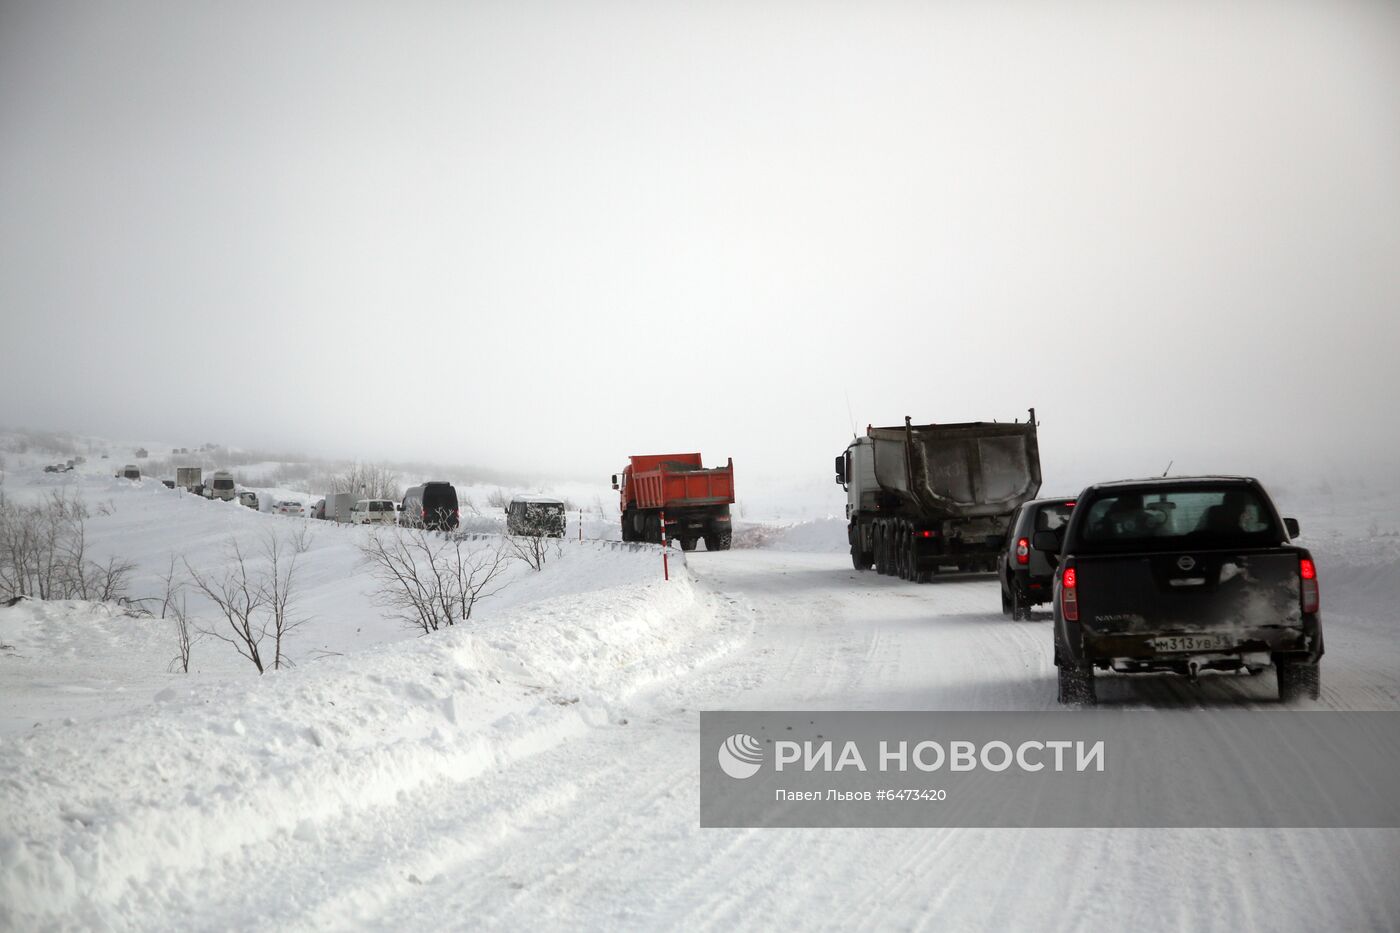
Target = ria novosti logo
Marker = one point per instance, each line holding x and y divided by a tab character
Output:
740	756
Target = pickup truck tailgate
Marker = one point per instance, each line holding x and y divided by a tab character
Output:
1189	591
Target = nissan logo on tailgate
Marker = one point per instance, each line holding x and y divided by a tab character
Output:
1186	562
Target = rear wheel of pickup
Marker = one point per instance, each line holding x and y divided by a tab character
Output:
1077	685
1298	680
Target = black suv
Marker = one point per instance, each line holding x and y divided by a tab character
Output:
1027	576
1186	575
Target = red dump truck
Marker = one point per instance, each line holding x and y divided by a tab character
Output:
695	500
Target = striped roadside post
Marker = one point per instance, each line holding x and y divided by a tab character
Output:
665	550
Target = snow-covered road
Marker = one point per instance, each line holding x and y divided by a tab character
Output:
601	830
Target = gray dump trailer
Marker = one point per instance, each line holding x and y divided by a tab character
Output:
921	497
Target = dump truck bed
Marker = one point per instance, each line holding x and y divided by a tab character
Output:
962	470
680	481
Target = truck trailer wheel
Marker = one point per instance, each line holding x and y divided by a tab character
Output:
861	560
1298	680
901	551
688	544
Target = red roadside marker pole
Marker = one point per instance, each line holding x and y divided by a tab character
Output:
665	550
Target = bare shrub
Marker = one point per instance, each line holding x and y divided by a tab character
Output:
534	550
43	553
431	581
280	589
368	481
239	598
185	634
498	498
257	602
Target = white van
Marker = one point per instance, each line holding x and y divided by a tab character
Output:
374	512
220	486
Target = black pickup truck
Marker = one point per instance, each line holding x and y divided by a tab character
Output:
1184	575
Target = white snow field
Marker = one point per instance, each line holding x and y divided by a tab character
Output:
538	767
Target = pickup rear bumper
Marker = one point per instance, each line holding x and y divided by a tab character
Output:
1146	651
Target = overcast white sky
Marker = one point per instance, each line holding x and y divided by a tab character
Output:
546	235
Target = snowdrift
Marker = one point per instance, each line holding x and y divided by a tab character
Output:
99	816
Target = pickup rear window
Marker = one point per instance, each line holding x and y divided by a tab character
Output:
1171	519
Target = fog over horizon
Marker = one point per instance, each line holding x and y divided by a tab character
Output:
543	236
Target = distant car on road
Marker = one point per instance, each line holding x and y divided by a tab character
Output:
318	509
168	483
1027	576
250	499
289	507
374	512
536	516
1186	574
130	471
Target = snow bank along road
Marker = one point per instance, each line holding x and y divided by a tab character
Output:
539	769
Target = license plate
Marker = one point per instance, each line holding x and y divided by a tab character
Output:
1193	643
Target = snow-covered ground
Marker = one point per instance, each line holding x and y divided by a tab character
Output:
538	767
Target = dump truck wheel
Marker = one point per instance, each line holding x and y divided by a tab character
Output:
860	560
724	540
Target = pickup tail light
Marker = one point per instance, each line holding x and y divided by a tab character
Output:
1023	551
1069	595
1307	574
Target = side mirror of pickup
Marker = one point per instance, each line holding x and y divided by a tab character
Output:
614	480
841	470
1046	541
1291	526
